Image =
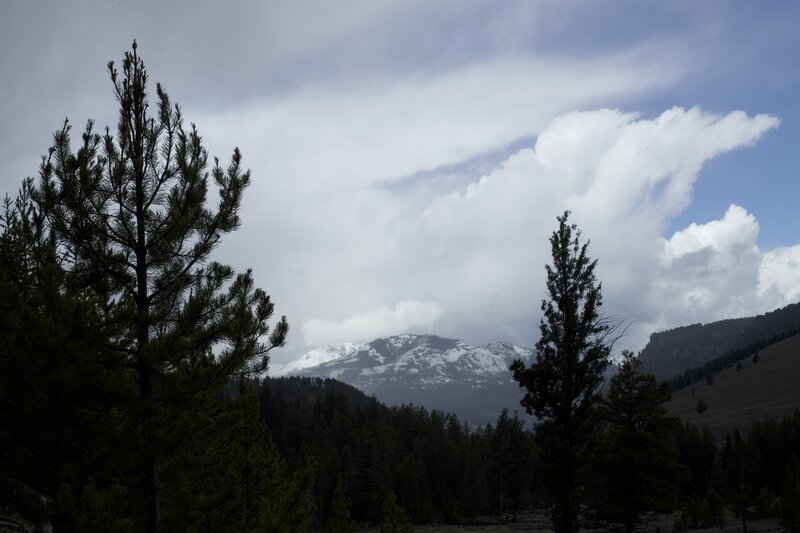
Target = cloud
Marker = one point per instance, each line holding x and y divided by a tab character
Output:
406	316
711	270
779	276
396	127
737	229
60	69
624	177
478	248
343	176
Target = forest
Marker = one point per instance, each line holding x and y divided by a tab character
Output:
462	473
132	395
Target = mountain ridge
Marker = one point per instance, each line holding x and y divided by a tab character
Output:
429	370
671	352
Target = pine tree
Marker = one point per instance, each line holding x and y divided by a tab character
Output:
513	459
62	441
231	475
340	520
129	224
563	384
474	489
638	467
701	406
395	519
790	496
740	472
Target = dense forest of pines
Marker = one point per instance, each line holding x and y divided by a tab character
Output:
439	469
442	471
129	396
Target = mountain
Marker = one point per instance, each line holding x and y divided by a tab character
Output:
473	382
735	398
671	352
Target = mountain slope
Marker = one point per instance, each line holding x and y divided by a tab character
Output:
767	389
671	352
474	382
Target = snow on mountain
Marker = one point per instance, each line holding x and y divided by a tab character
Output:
317	357
449	374
429	358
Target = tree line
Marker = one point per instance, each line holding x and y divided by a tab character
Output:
642	463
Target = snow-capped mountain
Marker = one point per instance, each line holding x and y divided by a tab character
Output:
437	373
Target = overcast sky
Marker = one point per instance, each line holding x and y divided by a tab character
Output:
409	158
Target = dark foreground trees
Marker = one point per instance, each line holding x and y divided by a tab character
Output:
635	464
563	384
108	255
514	455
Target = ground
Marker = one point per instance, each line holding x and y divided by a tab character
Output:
537	521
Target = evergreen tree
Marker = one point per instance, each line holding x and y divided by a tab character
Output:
232	476
699	455
767	503
563	384
62	441
513	460
701	406
740	471
638	467
282	502
716	508
395	519
790	496
474	490
126	218
340	520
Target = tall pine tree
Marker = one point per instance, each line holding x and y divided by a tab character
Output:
563	384
127	216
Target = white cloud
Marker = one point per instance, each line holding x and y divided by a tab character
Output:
338	197
779	276
376	130
710	271
479	250
624	177
406	316
737	229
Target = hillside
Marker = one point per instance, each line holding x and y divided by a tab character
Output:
767	389
671	352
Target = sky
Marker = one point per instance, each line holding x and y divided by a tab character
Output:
409	158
